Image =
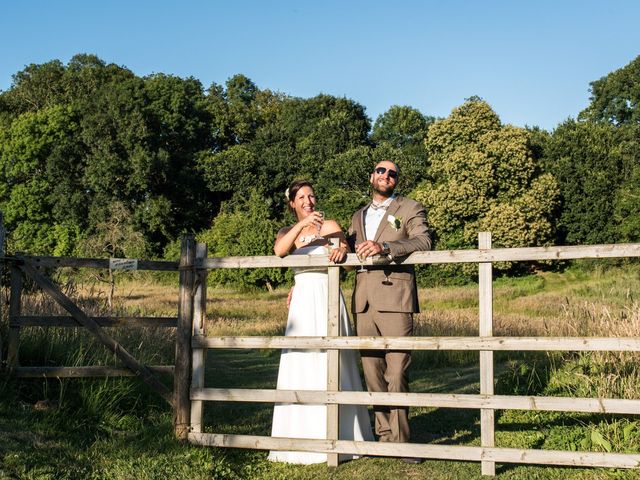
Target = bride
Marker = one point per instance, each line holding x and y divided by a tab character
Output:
307	369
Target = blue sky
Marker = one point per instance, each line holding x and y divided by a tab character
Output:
532	61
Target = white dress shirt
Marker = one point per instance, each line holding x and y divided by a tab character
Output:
374	215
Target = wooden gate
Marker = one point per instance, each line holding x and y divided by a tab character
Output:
33	267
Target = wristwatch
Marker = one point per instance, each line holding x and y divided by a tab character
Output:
386	250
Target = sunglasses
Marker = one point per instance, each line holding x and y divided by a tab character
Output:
382	170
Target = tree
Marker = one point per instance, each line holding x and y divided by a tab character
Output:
175	198
293	138
234	110
115	237
52	83
484	177
36	87
627	207
403	127
234	169
597	160
238	158
67	97
615	98
399	135
343	185
335	125
116	132
590	161
39	181
143	138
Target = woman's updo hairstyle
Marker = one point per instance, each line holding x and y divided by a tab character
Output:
291	192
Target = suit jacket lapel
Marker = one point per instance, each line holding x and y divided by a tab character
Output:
391	210
362	234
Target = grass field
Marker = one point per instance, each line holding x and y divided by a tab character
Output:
117	429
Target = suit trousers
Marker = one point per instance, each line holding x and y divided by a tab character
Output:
386	370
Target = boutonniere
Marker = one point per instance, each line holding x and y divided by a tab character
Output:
395	223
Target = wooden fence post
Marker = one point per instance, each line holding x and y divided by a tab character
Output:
333	358
199	318
487	416
182	375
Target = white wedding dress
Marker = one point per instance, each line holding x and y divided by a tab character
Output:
307	370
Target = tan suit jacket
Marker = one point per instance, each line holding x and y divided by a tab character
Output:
412	235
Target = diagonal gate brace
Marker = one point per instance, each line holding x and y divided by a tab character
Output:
127	359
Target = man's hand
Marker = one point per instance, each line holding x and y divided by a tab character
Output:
369	248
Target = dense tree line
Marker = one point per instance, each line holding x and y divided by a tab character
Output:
96	160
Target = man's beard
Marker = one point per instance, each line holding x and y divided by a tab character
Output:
386	192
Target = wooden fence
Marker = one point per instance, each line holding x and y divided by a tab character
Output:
189	393
487	453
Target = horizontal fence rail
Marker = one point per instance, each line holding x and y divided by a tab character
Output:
631	250
442	400
438	452
85	372
101	263
577	344
68	321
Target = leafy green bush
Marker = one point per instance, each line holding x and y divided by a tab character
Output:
243	228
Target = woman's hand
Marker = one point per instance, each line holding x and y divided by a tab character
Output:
338	255
314	218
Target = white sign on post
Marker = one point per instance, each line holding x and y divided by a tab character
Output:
123	264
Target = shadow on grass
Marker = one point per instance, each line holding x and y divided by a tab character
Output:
445	426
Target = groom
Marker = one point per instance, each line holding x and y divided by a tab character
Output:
385	297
